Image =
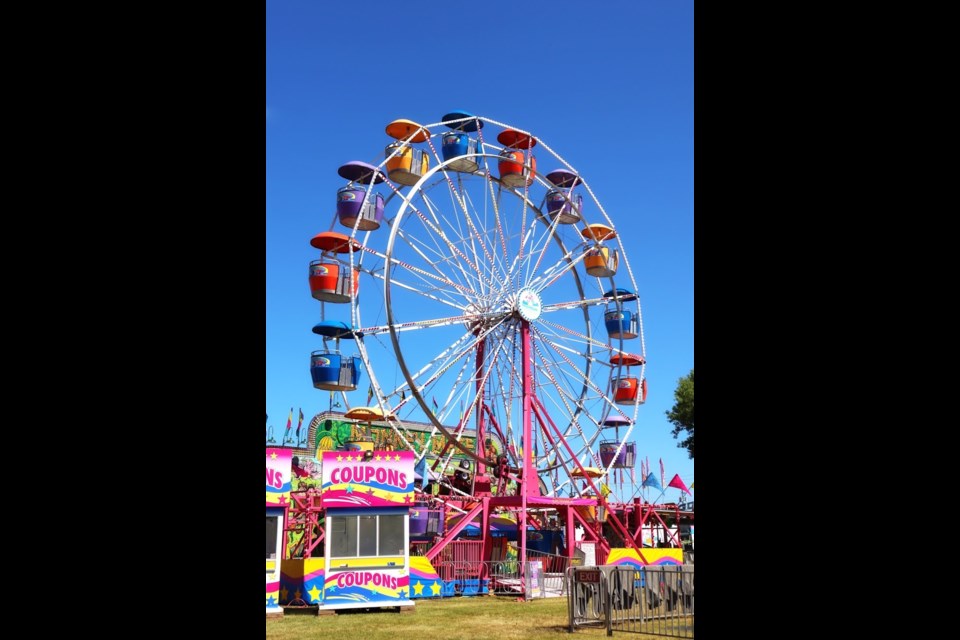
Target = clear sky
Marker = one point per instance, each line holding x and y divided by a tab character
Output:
607	86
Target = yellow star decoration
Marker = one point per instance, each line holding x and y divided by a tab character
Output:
339	457
397	457
418	588
283	594
349	458
378	457
297	594
314	594
273	455
435	587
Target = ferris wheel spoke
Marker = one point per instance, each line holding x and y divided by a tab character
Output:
577	373
559	331
431	294
460	350
497	226
563	265
435	273
490	277
549	239
516	265
434	230
476	236
445	244
462	205
424	324
571	399
573	304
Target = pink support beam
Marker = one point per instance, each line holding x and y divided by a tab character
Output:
455	531
481	423
530	485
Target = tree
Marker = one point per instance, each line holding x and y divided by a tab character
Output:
681	415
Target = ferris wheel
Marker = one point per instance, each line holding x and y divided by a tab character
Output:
484	298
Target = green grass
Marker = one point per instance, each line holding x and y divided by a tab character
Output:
476	618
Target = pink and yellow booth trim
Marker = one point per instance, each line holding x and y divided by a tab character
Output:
302	579
279	471
273	594
278	498
424	581
368	582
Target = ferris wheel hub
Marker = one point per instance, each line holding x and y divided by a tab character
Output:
528	304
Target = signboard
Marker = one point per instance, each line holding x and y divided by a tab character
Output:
333	435
358	479
535	586
588	575
278	477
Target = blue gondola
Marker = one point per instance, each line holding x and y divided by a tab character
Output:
458	143
332	371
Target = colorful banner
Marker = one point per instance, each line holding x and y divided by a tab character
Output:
385	479
278	477
333	435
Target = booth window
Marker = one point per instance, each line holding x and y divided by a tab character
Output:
366	536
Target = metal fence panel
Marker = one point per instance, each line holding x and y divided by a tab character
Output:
586	597
653	600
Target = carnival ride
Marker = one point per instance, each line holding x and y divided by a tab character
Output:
495	313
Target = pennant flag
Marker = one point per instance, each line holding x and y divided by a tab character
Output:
290	419
300	423
421	469
403	395
678	483
691	484
650	481
662	479
369	394
436	407
461	411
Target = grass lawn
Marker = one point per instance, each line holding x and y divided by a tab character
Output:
476	618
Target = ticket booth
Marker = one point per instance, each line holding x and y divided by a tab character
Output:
367	496
278	500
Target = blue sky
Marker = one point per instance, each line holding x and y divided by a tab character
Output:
607	87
